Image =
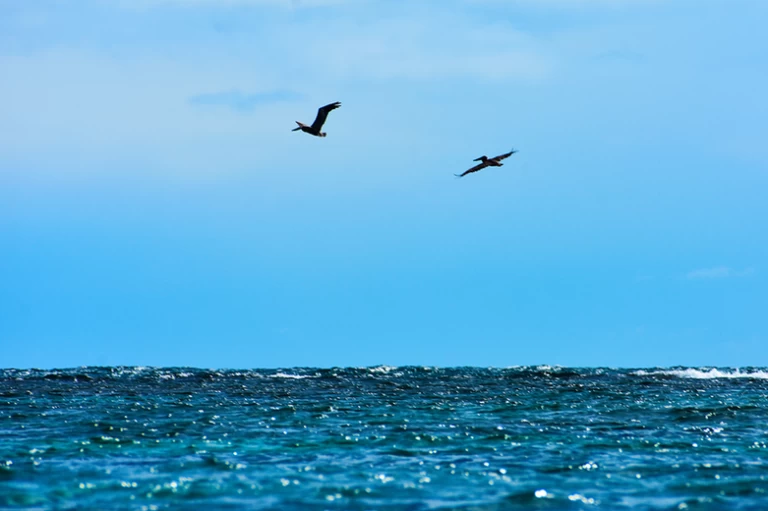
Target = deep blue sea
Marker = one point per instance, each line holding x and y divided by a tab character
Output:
405	438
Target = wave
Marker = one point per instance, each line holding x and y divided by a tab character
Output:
383	369
705	373
382	373
291	376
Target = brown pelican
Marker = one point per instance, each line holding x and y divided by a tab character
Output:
487	162
322	114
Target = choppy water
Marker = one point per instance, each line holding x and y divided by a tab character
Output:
384	438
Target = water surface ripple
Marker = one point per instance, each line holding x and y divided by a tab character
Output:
406	438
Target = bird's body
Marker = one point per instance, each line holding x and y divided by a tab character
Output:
487	162
322	114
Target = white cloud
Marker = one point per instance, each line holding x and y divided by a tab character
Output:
133	4
415	41
423	47
243	101
564	3
718	272
101	108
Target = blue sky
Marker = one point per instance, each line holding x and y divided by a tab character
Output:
156	209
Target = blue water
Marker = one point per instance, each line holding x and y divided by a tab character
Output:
384	438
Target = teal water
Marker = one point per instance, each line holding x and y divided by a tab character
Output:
384	438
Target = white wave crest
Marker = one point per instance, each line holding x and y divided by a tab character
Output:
290	376
381	369
705	373
173	376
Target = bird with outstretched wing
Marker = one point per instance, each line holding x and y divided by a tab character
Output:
322	115
487	162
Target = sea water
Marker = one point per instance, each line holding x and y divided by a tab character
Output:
406	438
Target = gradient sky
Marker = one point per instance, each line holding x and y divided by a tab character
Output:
156	209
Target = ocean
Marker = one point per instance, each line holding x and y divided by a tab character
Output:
384	438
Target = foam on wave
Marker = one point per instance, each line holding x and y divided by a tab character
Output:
382	369
291	376
705	373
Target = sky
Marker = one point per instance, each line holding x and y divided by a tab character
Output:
157	210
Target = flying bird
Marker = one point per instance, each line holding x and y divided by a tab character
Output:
487	162
322	114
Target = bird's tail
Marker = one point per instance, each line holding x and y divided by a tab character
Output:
482	158
296	129
300	125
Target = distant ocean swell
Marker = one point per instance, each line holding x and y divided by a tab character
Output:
384	438
121	372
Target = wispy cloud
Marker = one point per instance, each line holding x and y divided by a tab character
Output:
620	55
230	3
718	272
613	4
429	46
241	101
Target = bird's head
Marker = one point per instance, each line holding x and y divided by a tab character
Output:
322	133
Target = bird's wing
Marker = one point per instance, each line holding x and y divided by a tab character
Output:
477	167
322	114
505	155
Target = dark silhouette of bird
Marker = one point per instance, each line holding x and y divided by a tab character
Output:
487	162
322	114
